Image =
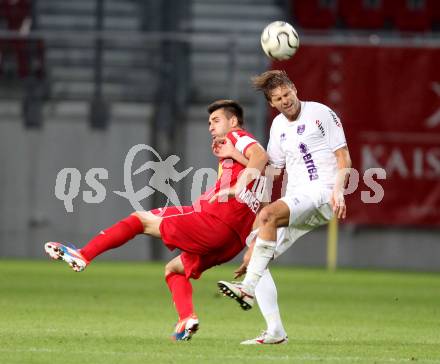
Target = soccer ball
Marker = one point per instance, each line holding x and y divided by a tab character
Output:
279	40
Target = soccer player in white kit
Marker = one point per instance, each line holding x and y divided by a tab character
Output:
307	139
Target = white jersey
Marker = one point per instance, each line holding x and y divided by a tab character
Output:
305	147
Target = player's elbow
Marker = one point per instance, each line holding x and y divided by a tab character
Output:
257	153
343	158
261	156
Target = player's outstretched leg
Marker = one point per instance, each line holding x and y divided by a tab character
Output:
71	256
238	292
111	238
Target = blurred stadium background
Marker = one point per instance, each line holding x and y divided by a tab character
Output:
83	81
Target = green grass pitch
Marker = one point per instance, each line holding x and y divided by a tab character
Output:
122	313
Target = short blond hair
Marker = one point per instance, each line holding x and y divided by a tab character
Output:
269	80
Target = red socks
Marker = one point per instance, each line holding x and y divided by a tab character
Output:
119	234
113	237
181	290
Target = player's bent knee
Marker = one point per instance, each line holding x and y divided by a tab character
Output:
145	216
141	216
168	269
267	216
150	222
174	266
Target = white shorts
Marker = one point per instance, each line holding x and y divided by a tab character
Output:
308	210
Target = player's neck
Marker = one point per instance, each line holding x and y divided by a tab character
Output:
294	117
237	128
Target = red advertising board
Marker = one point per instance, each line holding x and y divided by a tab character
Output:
388	99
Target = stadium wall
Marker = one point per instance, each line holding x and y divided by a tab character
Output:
31	159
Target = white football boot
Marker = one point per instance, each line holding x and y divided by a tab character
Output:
266	339
238	292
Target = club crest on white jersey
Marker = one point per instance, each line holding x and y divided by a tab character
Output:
305	147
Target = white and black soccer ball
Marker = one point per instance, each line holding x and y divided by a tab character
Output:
279	40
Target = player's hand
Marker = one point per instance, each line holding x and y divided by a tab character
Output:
223	148
223	195
246	258
338	204
215	145
240	271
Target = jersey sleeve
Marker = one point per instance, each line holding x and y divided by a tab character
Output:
334	131
241	140
277	158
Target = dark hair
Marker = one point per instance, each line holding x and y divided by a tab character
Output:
231	107
270	80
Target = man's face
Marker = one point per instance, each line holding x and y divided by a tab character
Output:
284	99
220	125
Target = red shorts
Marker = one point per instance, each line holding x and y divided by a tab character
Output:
204	240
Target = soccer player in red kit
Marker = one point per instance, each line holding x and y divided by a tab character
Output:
210	232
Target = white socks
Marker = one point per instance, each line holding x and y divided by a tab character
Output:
259	281
266	295
262	254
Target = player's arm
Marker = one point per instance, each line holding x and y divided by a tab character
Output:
343	161
334	134
257	160
223	148
277	157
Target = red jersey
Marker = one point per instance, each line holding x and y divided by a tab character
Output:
236	212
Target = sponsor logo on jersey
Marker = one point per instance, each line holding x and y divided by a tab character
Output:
308	161
301	129
320	127
250	200
335	118
282	137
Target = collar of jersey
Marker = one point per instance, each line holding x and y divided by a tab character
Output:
292	123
